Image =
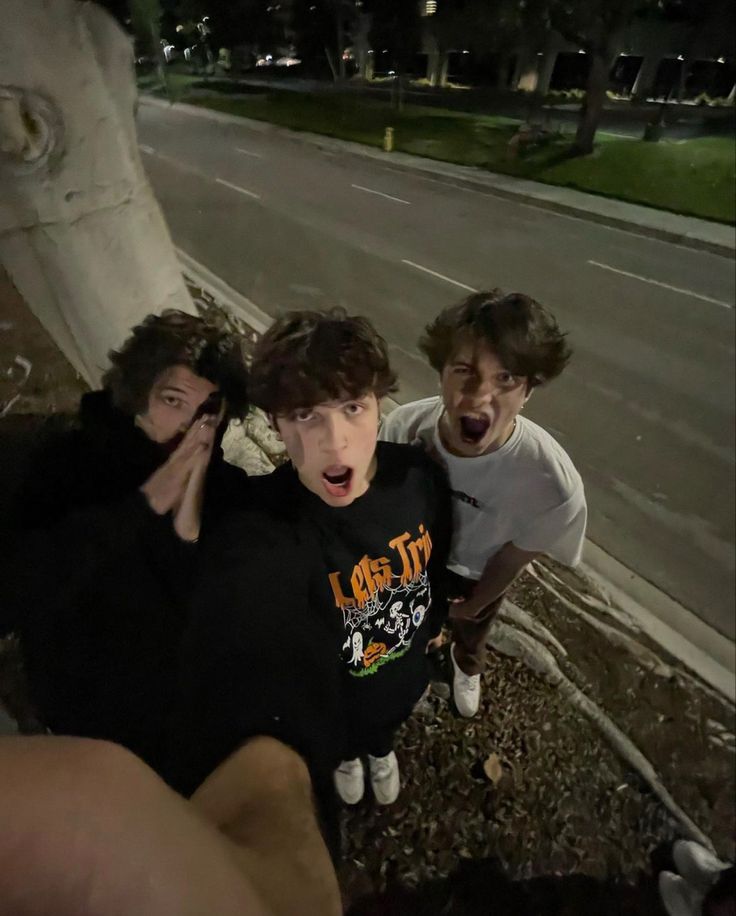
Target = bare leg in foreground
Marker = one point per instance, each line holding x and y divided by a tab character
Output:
261	799
89	830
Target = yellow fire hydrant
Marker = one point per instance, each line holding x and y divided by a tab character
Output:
388	140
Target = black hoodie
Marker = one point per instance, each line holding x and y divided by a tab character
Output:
270	650
96	584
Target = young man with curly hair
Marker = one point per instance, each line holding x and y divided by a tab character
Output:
516	493
352	534
106	525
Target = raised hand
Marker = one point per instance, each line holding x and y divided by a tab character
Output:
188	513
166	487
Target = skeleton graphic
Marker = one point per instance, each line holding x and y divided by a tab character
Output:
387	616
399	622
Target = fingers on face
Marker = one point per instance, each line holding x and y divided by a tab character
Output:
203	427
207	430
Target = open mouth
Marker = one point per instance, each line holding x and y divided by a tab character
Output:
473	429
337	480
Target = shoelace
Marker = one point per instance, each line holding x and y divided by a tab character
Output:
381	769
466	681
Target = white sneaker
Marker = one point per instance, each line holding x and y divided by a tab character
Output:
678	897
385	780
697	865
465	689
350	781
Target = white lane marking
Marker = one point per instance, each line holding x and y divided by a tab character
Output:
148	149
247	152
359	187
674	289
434	273
234	187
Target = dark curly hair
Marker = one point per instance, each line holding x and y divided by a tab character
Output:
176	338
306	358
521	332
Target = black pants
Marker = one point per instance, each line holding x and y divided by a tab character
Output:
372	726
470	636
378	744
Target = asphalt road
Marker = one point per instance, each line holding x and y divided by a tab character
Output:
646	408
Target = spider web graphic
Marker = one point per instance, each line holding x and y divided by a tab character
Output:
379	603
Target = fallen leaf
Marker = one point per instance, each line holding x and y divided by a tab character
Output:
493	769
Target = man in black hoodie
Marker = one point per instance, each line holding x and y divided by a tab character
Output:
106	528
331	577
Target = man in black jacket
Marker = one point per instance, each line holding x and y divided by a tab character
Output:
106	526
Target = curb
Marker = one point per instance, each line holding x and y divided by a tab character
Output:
702	649
588	207
223	293
705	651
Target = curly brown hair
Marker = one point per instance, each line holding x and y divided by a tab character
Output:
520	331
175	338
306	358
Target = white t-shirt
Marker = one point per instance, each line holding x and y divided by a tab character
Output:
527	492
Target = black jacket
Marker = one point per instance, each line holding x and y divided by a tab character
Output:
264	650
97	585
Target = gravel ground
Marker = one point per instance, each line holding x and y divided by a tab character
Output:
566	806
565	826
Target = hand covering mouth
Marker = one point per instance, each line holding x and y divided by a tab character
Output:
473	429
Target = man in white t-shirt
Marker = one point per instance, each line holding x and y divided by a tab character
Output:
516	493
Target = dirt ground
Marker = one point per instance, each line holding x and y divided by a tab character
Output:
566	826
567	807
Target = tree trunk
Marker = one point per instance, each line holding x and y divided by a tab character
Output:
362	46
340	35
433	66
81	235
399	91
546	69
592	107
330	61
682	79
525	76
445	58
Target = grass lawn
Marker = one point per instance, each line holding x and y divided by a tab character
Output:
696	177
693	177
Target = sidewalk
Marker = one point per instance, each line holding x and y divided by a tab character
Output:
670	227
